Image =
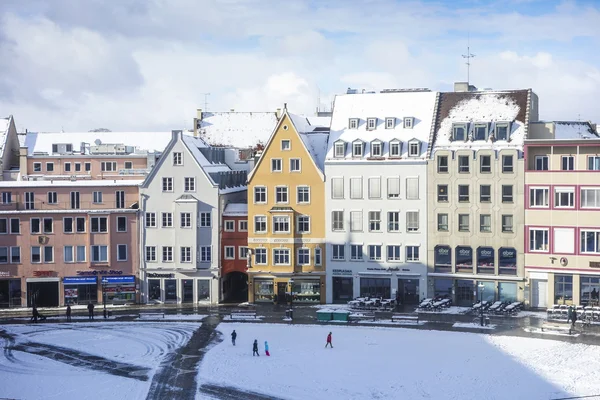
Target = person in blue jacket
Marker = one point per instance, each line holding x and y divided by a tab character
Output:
267	349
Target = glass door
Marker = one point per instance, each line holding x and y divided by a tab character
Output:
188	290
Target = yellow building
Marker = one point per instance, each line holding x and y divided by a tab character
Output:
286	211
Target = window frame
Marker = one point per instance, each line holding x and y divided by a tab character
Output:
508	168
177	158
570	163
205	219
302	220
533	196
282	191
464	198
286	145
281	221
411	148
485	164
455	128
442	169
485	198
440	223
390	123
462	227
276	165
505	226
483	228
303	198
295	168
532	239
462	167
393	221
393	144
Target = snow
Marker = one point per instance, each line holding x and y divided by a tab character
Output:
237	129
4	125
176	317
236	210
472	325
449	310
69	183
419	105
573	130
380	363
316	144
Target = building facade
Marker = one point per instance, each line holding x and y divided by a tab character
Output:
376	195
286	212
562	219
234	253
476	176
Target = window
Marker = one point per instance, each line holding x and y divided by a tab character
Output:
318	257
77	167
371	124
121	252
412	253
393	187
303	224
414	149
6	197
260	224
167	184
412	221
150	220
374	221
502	132
337	220
52	198
243	225
590	289
459	132
229	226
485	223
120	199
48	254
48	225
150	253
353	123
303	194
463	193
121	224
485	260
357	149
538	239
464	259
375	252
408	122
167	220
393	253
340	149
337	253
87	166
485	193
260	256
167	254
205	220
286	144
49	167
97	197
594	163
68	225
356	252
75	200
15	255
80	224
281	256
394	148
243	253
463	164
337	188
185	220
507	164
590	241
390	123
303	256
393	221
507	193
37	167
29	201
275	164
177	158
541	163
205	254
281	194
481	132
538	197
376	149
564	197
15	226
35	225
260	194
3	226
281	224
563	288
108	166
567	163
412	188
294	165
36	254
443	259
356	221
375	188
507	223
3	255
442	222
485	164
67	167
463	222
189	184
442	193
100	224
99	254
185	254
590	198
356	188
442	164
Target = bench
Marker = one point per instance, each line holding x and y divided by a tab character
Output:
557	326
242	314
362	317
404	317
119	302
152	315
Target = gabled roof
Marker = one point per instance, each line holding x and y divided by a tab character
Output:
236	129
236	210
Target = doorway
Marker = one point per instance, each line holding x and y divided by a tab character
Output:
188	290
464	293
539	293
343	290
408	291
42	294
281	290
235	287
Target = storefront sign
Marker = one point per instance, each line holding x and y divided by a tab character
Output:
485	257
507	257
154	275
4	274
594	264
44	273
79	281
93	273
464	256
341	271
383	269
443	256
118	279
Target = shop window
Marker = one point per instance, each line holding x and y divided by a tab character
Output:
507	292
154	289
507	261
442	259
563	289
464	259
442	288
375	287
203	290
306	291
590	290
264	290
170	290
485	260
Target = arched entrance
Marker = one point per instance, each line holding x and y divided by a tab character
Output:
235	287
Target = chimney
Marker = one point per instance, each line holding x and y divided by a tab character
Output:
23	161
199	113
461	87
175	135
278	113
231	110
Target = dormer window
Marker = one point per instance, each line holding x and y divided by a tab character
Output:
459	132
408	122
286	145
357	149
414	148
395	148
376	148
502	131
481	132
339	149
371	124
353	123
390	123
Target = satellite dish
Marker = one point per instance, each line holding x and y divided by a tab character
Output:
98	142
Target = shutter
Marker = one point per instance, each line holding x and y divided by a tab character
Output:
394	187
356	221
374	188
338	188
412	188
356	188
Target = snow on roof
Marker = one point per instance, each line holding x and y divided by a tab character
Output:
484	107
236	210
69	183
316	144
237	129
4	125
417	105
149	141
574	130
21	137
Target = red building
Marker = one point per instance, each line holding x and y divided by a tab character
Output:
234	250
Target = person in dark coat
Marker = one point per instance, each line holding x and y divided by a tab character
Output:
34	314
255	349
570	313
68	313
91	310
233	336
329	341
573	318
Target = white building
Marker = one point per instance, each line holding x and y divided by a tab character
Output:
376	195
182	200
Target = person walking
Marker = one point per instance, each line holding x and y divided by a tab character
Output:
573	318
255	348
68	313
570	314
329	341
267	349
34	314
90	308
233	336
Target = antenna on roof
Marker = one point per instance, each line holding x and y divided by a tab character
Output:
468	56
205	101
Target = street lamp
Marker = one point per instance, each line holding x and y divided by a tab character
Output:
104	282
292	299
481	287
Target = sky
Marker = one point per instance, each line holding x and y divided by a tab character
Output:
145	65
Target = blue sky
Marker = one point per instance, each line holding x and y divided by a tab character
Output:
144	65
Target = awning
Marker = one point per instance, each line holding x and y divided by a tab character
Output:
42	280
